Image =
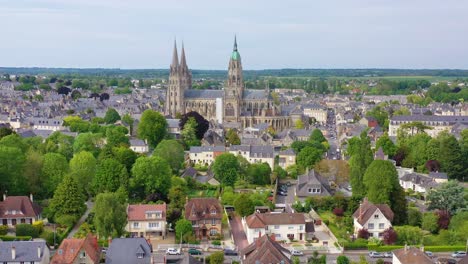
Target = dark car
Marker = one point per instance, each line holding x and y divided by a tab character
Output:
194	251
230	252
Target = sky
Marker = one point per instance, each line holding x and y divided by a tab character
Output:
271	34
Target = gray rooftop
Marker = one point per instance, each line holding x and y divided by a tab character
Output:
124	251
196	149
255	95
26	251
431	118
207	94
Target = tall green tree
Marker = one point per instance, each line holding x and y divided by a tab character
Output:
116	136
188	133
87	142
12	161
152	127
387	145
317	135
171	151
380	179
217	258
125	156
259	173
68	200
361	157
128	120
110	215
54	168
152	175
83	168
244	205
32	172
226	167
308	157
232	137
110	175
60	143
111	116
449	196
183	228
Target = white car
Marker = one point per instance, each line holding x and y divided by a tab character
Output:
173	251
296	252
458	254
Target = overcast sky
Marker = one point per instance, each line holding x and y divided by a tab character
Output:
271	34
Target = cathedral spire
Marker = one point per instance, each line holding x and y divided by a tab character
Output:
183	62
175	58
235	43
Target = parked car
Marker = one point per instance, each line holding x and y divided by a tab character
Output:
388	255
194	251
429	254
230	252
173	251
282	193
374	254
458	254
296	252
288	184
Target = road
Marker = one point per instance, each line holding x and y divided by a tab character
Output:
240	239
89	207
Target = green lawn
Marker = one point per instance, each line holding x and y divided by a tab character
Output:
202	193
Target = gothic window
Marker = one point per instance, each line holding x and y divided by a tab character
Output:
229	111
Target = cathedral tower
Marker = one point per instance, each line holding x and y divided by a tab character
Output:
234	89
180	79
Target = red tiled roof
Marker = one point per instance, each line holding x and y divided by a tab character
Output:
70	247
367	209
200	208
257	220
265	250
137	212
21	204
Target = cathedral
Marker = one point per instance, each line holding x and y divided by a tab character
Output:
233	104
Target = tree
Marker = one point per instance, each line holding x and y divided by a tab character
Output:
410	235
32	172
299	124
459	224
68	200
87	142
116	136
5	131
125	156
225	168
12	162
414	217
390	236
317	135
232	137
188	133
110	215
111	116
259	173
443	219
429	222
183	229
151	174
386	144
54	168
244	205
152	127
60	143
380	179
14	141
308	157
450	156
342	260
363	233
217	258
296	260
83	169
110	175
128	120
448	197
202	124
361	157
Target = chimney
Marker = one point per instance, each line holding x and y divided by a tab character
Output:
422	248
13	253
273	237
31	197
4	196
39	252
360	212
406	247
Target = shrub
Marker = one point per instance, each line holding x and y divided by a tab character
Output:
342	260
3	230
445	248
383	248
39	225
443	220
66	220
326	221
216	243
363	233
355	245
15	238
26	230
390	236
338	211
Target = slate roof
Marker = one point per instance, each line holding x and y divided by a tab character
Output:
431	118
196	149
265	250
26	251
287	152
137	142
411	255
70	247
172	123
137	212
124	251
438	175
368	210
255	95
183	259
203	94
258	220
416	178
255	151
200	208
189	172
22	205
312	179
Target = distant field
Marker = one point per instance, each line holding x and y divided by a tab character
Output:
393	78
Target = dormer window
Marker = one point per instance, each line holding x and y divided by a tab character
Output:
140	255
213	211
83	254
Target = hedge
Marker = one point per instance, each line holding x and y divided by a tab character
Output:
15	238
383	248
355	245
426	248
3	230
27	230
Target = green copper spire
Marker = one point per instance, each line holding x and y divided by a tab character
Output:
235	54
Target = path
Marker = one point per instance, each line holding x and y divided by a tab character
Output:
89	207
240	239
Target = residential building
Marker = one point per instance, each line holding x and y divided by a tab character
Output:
373	217
312	184
419	182
146	220
46	124
438	123
287	158
139	146
410	255
265	250
285	226
205	155
318	112
78	250
17	252
255	154
129	251
173	127
19	210
206	215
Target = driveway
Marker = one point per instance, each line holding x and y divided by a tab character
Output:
240	239
289	199
89	207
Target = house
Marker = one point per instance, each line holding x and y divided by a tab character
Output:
205	155
287	158
265	250
437	123
185	258
211	138
129	251
78	250
206	215
255	154
19	210
173	127
410	255
439	177
139	146
14	252
318	112
146	220
418	182
285	226
312	184
373	217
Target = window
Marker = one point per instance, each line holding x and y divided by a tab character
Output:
290	227
140	255
194	222
213	232
376	216
381	226
310	190
136	225
370	226
213	211
82	254
153	225
301	227
276	226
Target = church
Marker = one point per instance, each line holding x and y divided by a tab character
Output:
233	105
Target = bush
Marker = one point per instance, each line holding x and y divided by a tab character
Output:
338	211
66	220
363	233
216	243
26	230
355	245
445	248
48	236
39	225
3	230
15	238
390	236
